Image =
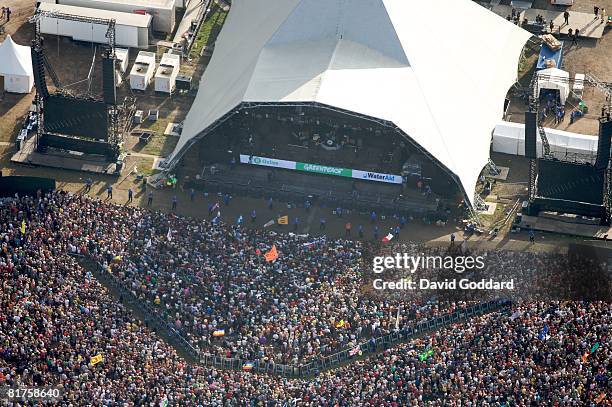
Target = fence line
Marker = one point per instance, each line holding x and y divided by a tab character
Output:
372	346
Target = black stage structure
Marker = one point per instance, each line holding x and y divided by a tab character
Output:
70	123
286	149
580	188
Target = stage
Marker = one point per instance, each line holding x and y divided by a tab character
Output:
545	224
585	22
331	191
62	160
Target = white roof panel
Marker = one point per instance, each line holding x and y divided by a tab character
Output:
127	19
443	84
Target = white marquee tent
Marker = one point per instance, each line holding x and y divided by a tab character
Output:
443	84
509	138
554	78
16	67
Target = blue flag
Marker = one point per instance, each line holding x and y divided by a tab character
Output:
543	332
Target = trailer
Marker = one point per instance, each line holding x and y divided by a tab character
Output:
143	70
162	11
165	78
131	30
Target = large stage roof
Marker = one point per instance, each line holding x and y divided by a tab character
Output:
438	69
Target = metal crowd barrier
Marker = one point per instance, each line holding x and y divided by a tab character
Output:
374	345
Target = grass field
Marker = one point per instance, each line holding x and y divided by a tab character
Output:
209	29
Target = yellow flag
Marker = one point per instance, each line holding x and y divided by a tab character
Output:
283	220
23	227
96	359
340	324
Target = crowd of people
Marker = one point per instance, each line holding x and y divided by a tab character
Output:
61	327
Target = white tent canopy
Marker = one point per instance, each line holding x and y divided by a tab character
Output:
442	84
16	67
554	78
509	138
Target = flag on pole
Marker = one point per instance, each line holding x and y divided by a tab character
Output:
397	319
425	355
23	227
388	238
96	359
340	324
283	220
595	347
269	223
600	398
585	356
218	333
272	254
543	332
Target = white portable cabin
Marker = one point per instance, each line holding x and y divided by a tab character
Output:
165	78
163	11
131	30
123	56
16	67
143	70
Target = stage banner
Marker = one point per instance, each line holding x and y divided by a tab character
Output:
267	162
325	170
321	169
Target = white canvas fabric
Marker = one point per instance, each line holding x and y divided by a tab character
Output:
443	83
16	66
554	78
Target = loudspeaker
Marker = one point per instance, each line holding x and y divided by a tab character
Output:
109	80
603	144
530	135
38	68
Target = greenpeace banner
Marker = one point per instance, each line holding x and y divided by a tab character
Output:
321	169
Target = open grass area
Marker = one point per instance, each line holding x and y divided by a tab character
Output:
208	31
527	66
160	145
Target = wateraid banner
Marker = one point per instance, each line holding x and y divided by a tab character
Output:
321	169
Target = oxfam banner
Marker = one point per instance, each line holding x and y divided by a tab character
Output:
321	169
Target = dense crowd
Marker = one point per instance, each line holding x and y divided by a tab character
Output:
202	278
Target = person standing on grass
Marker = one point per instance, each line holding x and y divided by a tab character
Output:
253	216
174	201
88	183
347	229
192	194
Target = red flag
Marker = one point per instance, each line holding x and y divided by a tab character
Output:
272	254
388	238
